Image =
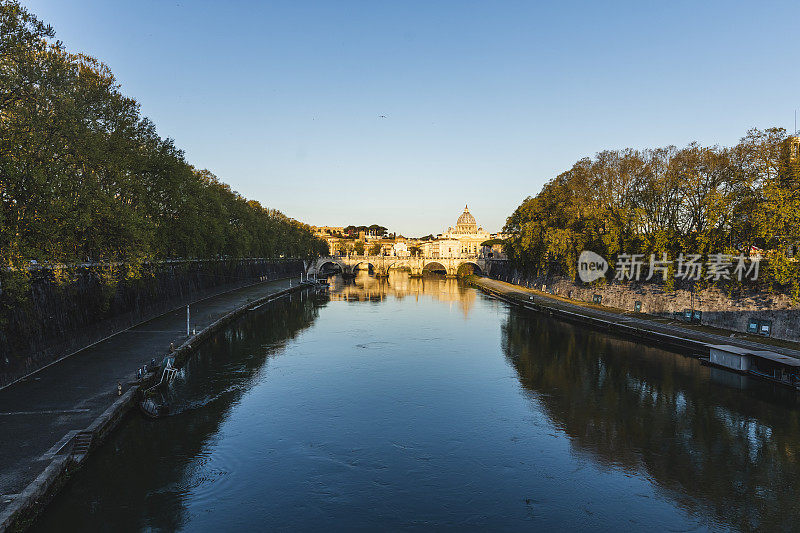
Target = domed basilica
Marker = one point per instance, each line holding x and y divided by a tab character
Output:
467	232
466	225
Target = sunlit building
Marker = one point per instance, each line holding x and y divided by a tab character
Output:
400	249
463	239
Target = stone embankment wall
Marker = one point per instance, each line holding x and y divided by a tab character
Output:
719	309
62	311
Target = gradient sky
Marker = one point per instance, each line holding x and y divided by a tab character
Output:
484	101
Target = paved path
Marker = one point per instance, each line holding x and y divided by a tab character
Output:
647	322
40	413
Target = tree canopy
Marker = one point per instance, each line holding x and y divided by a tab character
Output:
83	176
698	200
374	230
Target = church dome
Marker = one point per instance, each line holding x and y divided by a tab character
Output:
466	218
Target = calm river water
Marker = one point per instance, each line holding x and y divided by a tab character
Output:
423	404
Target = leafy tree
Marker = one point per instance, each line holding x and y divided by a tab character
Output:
666	200
83	176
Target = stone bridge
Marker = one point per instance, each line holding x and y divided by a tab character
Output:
381	264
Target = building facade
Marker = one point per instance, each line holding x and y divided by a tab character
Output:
467	233
463	239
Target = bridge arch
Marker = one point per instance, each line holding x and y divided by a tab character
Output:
434	266
336	266
399	263
361	264
316	266
473	267
381	264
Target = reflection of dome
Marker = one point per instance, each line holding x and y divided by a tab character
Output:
466	219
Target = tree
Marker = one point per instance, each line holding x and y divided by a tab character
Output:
84	176
698	200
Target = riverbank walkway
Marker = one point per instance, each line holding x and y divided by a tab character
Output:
698	333
41	413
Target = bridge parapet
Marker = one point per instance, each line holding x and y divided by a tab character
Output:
382	263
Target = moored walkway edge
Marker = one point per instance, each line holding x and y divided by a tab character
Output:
625	324
21	513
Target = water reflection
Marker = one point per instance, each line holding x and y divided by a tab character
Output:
712	447
399	285
139	480
422	404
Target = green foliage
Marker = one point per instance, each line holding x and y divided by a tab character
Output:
374	230
696	200
375	249
83	176
358	247
15	286
108	277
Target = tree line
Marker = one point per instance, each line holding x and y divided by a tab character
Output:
374	230
695	200
84	176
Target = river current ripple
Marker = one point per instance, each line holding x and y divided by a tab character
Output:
424	404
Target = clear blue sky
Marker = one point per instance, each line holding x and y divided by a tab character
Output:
485	101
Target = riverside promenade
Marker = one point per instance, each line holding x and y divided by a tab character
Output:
41	413
646	327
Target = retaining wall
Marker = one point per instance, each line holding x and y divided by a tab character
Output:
64	310
719	309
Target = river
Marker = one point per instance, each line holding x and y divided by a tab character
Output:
424	404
